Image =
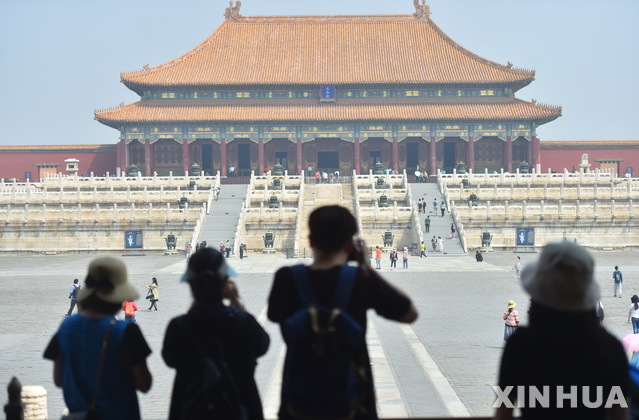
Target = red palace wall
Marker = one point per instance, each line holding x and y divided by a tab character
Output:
558	155
15	161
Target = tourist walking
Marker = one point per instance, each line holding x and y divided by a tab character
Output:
618	278
440	244
129	307
153	289
435	207
419	206
427	224
241	251
405	257
517	267
452	231
393	258
189	251
100	362
433	243
317	177
634	313
423	250
73	295
443	208
512	320
378	258
222	248
227	248
227	334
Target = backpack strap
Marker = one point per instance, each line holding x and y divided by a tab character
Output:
304	289
344	287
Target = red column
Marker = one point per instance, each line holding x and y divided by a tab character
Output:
213	160
120	156
508	154
223	157
357	156
432	156
185	156
147	157
470	153
298	156
534	152
260	156
395	153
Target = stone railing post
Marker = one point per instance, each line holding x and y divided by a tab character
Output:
612	209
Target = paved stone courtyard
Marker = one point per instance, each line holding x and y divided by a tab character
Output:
442	365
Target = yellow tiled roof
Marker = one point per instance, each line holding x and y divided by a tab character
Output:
332	50
209	111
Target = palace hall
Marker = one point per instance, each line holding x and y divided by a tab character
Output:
334	93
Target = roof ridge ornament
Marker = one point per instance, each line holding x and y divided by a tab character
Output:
421	10
233	12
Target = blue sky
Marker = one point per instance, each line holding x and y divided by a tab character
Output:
61	60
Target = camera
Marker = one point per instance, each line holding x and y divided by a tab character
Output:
357	251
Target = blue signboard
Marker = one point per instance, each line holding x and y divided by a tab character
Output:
133	239
327	93
525	236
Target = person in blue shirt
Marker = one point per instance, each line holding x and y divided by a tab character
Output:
77	347
73	293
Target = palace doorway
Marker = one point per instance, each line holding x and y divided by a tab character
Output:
449	157
244	159
375	156
328	161
207	159
412	157
281	158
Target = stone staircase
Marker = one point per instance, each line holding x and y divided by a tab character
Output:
318	196
221	223
439	226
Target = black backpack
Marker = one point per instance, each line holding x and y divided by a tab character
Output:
322	379
211	391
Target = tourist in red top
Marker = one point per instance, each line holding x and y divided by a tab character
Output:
129	308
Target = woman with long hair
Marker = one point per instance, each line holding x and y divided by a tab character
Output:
153	289
634	314
218	324
94	345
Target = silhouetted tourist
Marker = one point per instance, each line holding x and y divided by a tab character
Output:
328	280
93	344
564	348
228	334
